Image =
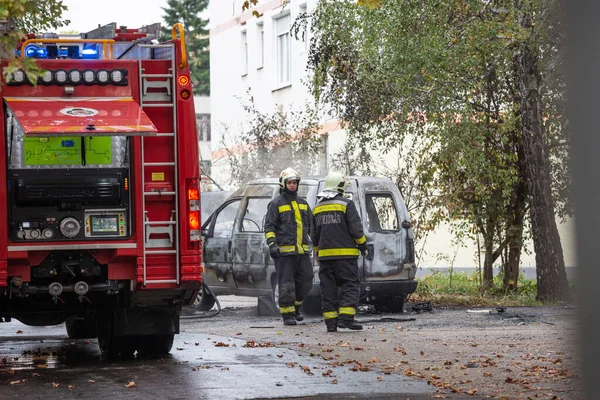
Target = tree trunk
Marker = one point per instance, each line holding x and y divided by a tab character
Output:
515	231
488	262
550	266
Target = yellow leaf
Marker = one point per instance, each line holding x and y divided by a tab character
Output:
14	382
91	381
55	385
71	387
131	385
372	4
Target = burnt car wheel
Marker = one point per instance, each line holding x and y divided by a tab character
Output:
390	304
205	300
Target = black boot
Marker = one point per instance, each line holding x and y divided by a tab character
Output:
288	319
348	322
332	324
298	314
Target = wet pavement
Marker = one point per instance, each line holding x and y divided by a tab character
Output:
42	362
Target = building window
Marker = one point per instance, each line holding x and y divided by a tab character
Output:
282	41
244	52
304	38
261	45
203	127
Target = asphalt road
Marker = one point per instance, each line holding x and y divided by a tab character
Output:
42	362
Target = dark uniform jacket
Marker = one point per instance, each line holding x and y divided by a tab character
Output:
339	230
288	224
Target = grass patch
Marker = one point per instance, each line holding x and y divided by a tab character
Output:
447	289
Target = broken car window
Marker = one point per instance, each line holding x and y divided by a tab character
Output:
381	213
253	216
225	220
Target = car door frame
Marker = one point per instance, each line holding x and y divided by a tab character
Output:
218	273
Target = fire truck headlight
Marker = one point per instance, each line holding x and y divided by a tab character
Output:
116	76
75	76
88	76
60	76
47	77
102	76
18	76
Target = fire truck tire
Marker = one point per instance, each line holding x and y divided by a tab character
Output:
155	345
81	328
111	346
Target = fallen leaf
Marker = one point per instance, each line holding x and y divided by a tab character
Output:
35	374
358	348
180	348
131	385
472	391
380	378
19	331
239	333
55	385
15	382
335	381
91	381
373	360
71	387
488	374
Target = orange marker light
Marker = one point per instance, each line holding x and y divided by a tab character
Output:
193	194
184	80
185	94
126	183
194	220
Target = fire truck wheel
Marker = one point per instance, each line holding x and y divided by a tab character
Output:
81	328
154	345
111	346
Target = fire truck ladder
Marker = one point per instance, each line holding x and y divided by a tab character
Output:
164	99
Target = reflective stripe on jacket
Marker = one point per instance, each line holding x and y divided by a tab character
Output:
288	224
338	229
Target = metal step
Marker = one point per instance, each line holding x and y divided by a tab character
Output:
169	134
169	105
150	282
161	252
159	164
160	222
157	75
159	193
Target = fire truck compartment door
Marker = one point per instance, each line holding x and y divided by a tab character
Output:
99	116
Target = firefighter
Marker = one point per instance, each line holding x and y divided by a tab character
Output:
339	240
288	226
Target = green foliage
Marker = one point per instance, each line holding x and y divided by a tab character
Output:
27	16
444	72
466	288
196	38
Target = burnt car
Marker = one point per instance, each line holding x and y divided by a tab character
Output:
236	256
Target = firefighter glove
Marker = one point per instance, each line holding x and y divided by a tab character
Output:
363	249
275	253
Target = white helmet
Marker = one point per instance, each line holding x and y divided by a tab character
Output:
288	174
336	182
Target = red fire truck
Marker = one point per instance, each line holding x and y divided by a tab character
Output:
99	194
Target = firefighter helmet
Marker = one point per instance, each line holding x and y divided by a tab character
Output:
288	174
336	182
